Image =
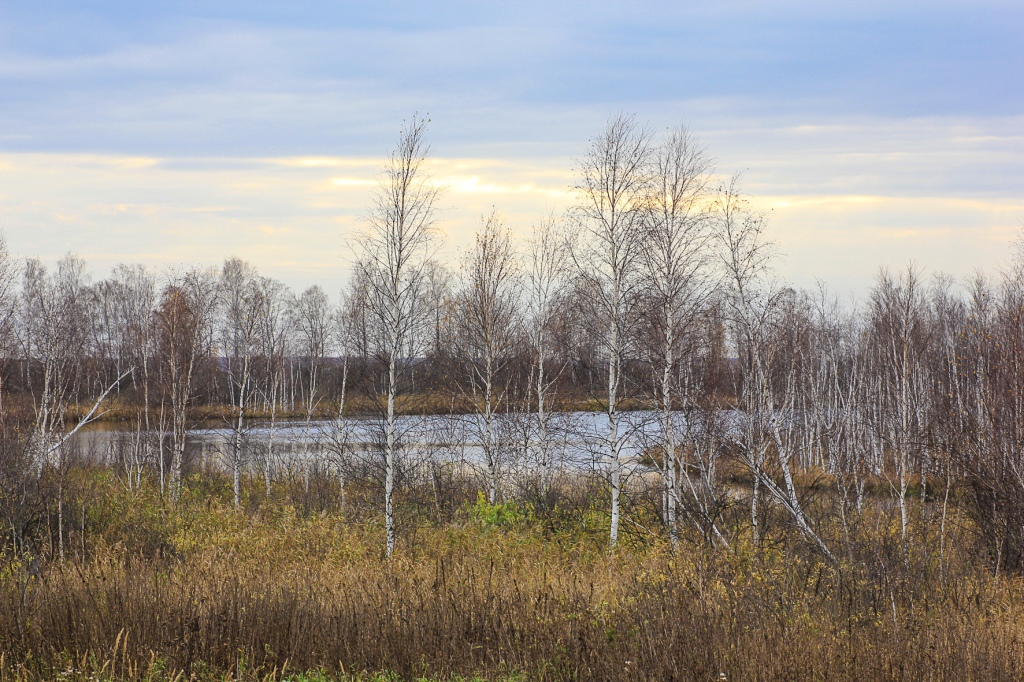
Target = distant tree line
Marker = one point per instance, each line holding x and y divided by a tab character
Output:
655	291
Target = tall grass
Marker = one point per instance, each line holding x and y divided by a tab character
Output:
201	591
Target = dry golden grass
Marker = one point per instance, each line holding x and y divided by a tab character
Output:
200	591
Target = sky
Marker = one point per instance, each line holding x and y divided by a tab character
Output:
872	133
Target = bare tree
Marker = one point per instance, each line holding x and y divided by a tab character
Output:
759	313
831	402
184	318
52	337
8	283
135	302
274	299
347	317
8	314
988	412
438	299
545	281
948	428
392	258
612	187
241	298
54	333
899	336
311	318
676	256
490	330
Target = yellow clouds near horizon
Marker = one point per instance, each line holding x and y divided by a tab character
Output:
844	239
295	217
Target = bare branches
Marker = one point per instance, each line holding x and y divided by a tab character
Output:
612	186
491	327
677	232
393	252
392	257
184	321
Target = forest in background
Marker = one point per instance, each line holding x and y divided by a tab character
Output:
828	490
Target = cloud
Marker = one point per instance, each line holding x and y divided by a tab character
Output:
352	182
247	81
293	221
873	131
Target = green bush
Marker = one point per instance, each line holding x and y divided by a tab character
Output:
499	515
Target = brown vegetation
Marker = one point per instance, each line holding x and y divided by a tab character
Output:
499	592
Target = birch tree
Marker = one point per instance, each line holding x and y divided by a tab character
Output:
989	412
675	256
8	313
831	403
899	340
439	296
544	283
274	299
612	186
346	320
490	324
135	301
240	296
54	329
184	318
766	381
311	318
392	256
54	333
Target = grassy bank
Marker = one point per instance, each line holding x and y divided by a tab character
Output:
115	411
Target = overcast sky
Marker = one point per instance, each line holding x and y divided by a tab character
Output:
874	132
